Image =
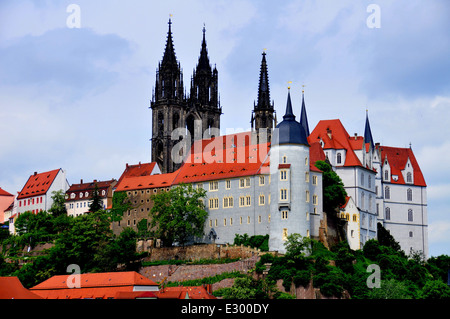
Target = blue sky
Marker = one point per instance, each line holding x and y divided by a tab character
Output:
78	98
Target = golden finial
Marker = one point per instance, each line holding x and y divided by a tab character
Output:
289	85
303	88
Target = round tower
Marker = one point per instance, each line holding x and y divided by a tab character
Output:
289	191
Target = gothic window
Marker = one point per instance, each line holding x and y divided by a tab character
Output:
161	123
386	175
387	213
387	193
409	194
409	177
175	120
339	158
410	215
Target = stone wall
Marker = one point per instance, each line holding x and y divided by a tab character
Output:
191	272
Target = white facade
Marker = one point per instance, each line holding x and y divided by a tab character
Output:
353	230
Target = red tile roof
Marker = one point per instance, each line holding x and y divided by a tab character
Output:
223	157
38	184
397	158
339	139
12	288
96	285
4	193
146	182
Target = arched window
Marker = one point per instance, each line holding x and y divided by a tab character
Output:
409	177
388	213
386	175
339	158
387	192
410	215
409	194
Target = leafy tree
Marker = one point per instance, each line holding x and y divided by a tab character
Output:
178	214
256	241
334	193
297	246
246	288
439	266
386	239
435	289
59	203
143	231
390	289
96	202
120	204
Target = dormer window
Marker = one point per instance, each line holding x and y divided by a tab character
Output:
339	158
409	177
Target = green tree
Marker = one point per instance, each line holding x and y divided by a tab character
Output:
59	204
435	289
297	246
120	204
390	289
386	239
246	288
96	202
178	214
334	193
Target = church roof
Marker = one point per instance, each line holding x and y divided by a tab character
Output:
263	88
289	131
169	57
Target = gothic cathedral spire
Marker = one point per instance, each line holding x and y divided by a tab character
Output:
263	110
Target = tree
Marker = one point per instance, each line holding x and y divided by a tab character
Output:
178	214
59	204
386	239
334	193
435	289
96	202
297	246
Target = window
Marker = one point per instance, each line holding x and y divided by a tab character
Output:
228	184
284	159
262	199
387	192
284	235
362	179
306	161
262	180
213	203
259	219
307	196
213	186
369	181
307	177
411	234
387	213
339	158
244	182
409	177
283	175
224	221
409	194
355	218
231	221
240	220
386	175
228	202
241	201
315	200
248	219
283	194
284	214
314	180
410	215
248	200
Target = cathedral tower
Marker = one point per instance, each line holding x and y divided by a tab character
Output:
174	114
168	105
204	104
263	110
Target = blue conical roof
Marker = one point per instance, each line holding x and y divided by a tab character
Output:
289	131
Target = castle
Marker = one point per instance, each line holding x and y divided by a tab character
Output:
259	182
264	181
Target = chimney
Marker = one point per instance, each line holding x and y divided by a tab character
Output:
35	173
356	136
81	181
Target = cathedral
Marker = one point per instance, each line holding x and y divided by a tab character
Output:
265	181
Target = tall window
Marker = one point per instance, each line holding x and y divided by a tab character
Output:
284	214
386	175
283	175
262	199
339	158
388	213
213	185
409	194
283	194
409	177
387	193
410	215
228	184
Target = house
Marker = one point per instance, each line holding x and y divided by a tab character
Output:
186	292
350	213
36	194
109	285
6	199
79	196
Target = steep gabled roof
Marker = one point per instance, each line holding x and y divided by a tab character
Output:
38	184
4	193
146	182
334	136
397	158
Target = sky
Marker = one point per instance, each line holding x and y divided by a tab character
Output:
75	93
